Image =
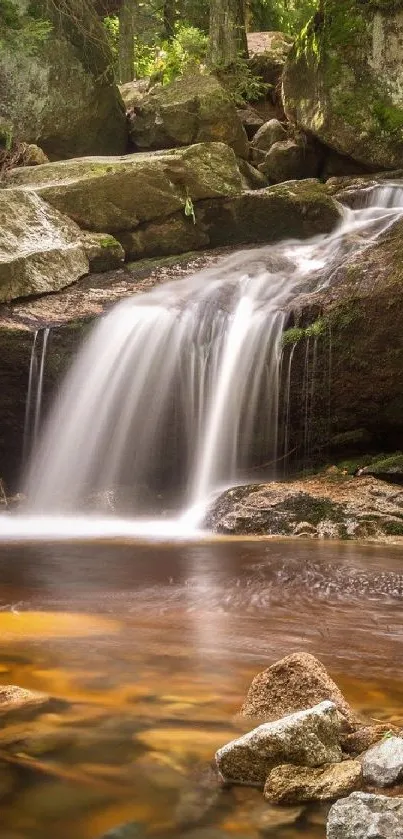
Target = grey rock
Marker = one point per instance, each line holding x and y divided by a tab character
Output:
291	159
382	765
131	830
364	816
269	133
307	738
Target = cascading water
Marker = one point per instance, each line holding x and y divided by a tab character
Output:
174	388
33	407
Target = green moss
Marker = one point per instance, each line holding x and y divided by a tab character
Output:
297	334
389	116
392	528
108	242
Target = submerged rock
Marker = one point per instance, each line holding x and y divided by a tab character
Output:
307	738
295	683
382	765
290	784
131	830
343	80
346	509
193	109
40	249
364	816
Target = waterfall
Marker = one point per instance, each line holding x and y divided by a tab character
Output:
177	391
33	407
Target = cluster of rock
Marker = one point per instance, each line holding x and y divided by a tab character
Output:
312	747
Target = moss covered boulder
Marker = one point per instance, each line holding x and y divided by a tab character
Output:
120	193
343	80
313	508
194	109
56	83
40	249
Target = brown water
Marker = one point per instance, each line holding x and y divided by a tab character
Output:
151	648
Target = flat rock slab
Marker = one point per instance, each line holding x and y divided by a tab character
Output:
382	765
290	784
308	738
364	816
295	683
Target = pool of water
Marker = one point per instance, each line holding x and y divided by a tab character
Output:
150	649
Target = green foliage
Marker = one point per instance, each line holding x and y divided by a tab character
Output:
170	59
23	31
241	82
111	24
284	15
189	208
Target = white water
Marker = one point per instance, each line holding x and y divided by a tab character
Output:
166	390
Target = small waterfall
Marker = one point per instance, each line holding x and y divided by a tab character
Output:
287	408
178	389
33	407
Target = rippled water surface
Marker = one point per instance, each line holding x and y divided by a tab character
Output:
151	649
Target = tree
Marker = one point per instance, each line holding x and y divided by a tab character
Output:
127	31
227	32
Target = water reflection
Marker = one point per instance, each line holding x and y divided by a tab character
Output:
165	642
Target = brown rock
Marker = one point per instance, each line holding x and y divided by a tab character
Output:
290	784
295	683
14	698
362	739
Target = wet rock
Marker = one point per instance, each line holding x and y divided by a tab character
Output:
364	816
359	741
118	194
382	765
295	683
40	249
193	109
307	738
349	509
289	160
14	698
103	251
273	818
290	784
131	830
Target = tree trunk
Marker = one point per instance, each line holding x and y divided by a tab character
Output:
169	18
126	41
227	32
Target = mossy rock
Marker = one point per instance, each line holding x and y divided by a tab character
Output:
194	109
343	80
56	83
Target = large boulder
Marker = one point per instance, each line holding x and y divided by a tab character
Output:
294	159
40	249
343	80
364	816
118	194
264	215
193	109
56	82
314	508
293	684
308	738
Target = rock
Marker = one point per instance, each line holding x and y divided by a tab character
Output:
359	741
118	194
250	120
17	699
273	818
297	209
103	251
382	765
271	132
31	155
268	53
386	469
193	109
350	96
198	799
307	738
295	683
175	234
350	509
291	160
364	816
134	92
40	249
59	92
131	830
289	784
251	177
8	781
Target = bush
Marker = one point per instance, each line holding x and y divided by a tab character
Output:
170	59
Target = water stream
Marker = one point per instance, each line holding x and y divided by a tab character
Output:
172	388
